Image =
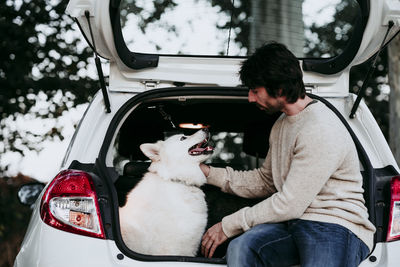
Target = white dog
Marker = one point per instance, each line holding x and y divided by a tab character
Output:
166	213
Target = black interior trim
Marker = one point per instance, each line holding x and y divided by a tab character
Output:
321	65
133	60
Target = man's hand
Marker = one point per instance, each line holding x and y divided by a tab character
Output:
205	169
214	237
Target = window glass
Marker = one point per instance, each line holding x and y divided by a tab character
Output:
309	28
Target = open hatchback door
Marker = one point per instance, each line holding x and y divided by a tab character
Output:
164	43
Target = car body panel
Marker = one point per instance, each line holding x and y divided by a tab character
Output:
384	255
45	246
367	132
376	28
92	129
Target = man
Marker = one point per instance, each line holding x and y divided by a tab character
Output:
313	212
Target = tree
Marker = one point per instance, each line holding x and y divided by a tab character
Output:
239	12
278	20
394	100
39	56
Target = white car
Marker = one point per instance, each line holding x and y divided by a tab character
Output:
159	85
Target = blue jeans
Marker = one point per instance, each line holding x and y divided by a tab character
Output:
308	243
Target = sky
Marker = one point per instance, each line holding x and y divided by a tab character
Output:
45	164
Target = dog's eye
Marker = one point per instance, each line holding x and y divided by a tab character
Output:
183	138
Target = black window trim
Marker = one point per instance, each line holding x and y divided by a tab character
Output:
321	65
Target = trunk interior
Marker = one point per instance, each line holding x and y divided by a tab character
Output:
239	132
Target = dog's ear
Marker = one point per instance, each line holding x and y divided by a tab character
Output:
152	151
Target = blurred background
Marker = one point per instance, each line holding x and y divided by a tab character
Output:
47	79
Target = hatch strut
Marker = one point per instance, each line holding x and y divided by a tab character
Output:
369	74
166	116
98	67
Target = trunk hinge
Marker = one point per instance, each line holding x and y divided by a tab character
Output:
150	84
98	67
311	88
371	70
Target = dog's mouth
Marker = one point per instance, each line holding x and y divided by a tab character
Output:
201	148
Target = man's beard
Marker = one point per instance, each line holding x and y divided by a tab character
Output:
271	109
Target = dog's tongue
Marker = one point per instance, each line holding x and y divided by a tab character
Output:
201	150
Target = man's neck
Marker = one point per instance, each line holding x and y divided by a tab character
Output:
291	109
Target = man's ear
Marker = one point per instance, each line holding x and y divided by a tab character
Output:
152	151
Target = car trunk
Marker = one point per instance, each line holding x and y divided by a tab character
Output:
240	134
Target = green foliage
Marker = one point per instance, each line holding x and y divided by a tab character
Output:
330	39
240	23
158	9
375	96
39	54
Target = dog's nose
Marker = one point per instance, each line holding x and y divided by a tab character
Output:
205	130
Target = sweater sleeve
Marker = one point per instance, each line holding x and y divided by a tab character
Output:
314	161
249	184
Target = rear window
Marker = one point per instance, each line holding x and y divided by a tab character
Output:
309	28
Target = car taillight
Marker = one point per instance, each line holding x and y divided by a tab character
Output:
70	204
394	219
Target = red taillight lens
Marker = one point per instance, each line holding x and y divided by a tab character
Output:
70	204
394	219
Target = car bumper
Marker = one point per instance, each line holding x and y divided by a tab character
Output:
384	255
46	246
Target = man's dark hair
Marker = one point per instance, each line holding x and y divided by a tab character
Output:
274	67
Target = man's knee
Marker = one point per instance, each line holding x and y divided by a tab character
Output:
238	244
248	242
263	245
245	251
240	252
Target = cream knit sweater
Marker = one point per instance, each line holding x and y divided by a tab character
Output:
311	172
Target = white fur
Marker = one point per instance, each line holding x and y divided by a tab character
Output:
166	212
